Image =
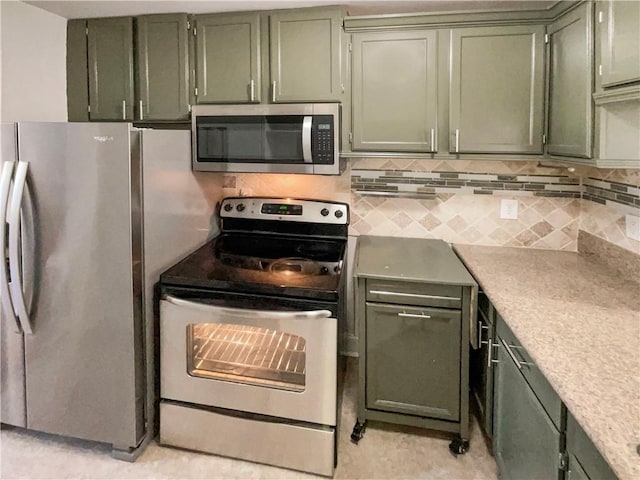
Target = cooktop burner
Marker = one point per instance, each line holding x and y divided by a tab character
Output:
268	264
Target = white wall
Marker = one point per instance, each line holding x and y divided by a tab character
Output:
33	57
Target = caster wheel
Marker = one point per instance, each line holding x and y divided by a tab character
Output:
358	432
458	446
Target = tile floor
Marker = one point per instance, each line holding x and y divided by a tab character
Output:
385	452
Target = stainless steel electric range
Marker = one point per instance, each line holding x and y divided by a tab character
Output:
249	335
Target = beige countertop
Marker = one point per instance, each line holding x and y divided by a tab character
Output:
580	322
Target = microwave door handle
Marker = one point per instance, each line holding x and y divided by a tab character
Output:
306	139
5	186
17	293
241	312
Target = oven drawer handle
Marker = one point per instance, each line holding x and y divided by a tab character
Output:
241	312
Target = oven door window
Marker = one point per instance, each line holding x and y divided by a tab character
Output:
250	139
246	354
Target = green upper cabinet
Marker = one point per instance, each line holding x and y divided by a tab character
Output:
305	55
619	42
77	79
162	79
570	109
497	90
228	58
395	91
110	57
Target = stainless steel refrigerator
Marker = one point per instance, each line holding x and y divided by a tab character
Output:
76	291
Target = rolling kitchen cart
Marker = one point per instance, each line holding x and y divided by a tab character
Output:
414	305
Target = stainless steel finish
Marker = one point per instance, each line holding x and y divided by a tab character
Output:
457	140
518	363
480	328
252	90
413	315
490	360
140	107
5	296
310	210
124	109
273	91
244	313
316	404
303	109
306	139
414	295
176	220
15	265
299	447
83	361
433	139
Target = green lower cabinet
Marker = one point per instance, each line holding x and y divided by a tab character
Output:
497	90
162	67
574	470
585	461
570	106
110	58
526	443
413	360
394	100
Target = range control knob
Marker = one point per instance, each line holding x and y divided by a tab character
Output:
324	212
339	213
240	207
228	207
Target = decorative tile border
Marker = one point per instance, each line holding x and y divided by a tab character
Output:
607	192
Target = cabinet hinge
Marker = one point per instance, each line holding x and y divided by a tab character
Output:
89	108
546	38
195	31
600	70
350	137
563	461
600	16
350	47
86	31
195	91
342	87
189	107
188	25
544	138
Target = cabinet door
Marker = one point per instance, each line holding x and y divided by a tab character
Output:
526	443
77	72
163	67
110	56
575	471
394	91
305	56
413	360
497	89
570	84
481	365
228	58
619	42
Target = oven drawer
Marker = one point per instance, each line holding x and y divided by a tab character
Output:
281	364
421	294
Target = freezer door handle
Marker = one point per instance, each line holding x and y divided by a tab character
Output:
17	294
5	187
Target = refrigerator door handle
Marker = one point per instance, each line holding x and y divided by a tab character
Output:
17	293
5	187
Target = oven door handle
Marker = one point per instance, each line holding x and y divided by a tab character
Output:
242	312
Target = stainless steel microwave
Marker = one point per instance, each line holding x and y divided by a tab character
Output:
284	138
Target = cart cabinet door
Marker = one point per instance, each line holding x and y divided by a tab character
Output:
413	360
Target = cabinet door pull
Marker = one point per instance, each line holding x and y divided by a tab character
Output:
457	140
513	357
480	328
141	110
252	90
273	91
433	139
124	109
413	315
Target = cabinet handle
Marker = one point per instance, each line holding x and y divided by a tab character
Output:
252	90
433	139
273	91
513	357
457	140
480	328
141	110
124	109
413	315
490	360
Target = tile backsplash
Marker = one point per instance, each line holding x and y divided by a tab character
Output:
459	200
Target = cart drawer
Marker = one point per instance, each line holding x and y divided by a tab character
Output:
421	294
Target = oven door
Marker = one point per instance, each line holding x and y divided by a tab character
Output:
276	363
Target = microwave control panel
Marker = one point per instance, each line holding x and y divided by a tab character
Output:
322	139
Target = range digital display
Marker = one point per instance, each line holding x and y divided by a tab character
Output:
281	209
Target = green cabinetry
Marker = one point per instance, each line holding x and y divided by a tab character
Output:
228	58
585	462
570	107
395	91
77	78
619	42
162	63
497	90
110	58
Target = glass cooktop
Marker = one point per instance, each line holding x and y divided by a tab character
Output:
258	263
